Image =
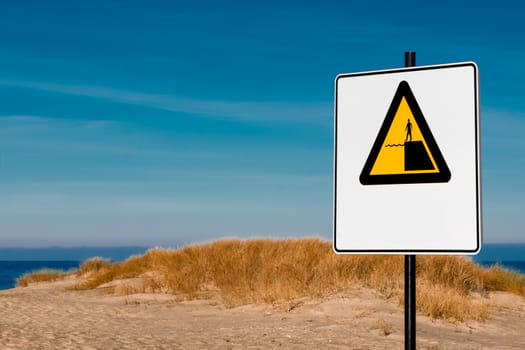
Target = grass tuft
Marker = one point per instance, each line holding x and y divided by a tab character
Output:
441	302
498	278
93	265
44	275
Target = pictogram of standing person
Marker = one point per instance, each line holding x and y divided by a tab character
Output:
408	130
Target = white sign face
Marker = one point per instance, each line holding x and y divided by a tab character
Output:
407	161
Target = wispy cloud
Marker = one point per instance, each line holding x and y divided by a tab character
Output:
318	113
59	134
26	121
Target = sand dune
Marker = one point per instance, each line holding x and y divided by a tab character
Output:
48	316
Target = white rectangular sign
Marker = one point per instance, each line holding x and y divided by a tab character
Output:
407	161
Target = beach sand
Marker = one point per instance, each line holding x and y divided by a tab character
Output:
48	316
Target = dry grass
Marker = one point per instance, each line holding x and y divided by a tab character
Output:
498	278
93	265
439	301
284	271
44	275
384	327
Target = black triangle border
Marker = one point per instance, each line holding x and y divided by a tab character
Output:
403	90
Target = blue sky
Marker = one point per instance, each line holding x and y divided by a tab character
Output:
166	122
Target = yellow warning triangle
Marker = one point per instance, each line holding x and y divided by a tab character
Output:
404	150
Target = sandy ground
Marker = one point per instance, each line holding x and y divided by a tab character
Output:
47	316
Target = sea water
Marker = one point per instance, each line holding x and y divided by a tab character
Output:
15	262
12	269
509	256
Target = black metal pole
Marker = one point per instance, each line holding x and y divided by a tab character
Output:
410	59
410	302
410	269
